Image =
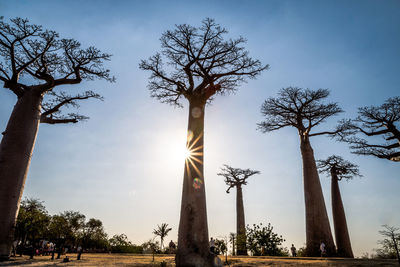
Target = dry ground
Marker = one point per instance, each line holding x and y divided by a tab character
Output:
146	260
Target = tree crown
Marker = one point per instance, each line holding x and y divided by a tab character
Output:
162	230
47	62
300	108
200	64
342	168
235	176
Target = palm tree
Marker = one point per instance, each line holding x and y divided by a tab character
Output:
162	231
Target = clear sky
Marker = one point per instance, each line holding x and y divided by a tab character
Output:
125	165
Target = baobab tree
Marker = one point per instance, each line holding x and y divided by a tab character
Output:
235	177
339	169
201	64
34	63
377	121
304	109
162	231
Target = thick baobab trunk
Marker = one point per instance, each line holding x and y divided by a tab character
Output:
15	155
240	223
317	224
193	247
342	237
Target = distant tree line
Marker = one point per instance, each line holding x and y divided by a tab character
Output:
66	230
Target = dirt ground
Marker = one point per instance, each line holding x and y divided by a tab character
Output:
147	260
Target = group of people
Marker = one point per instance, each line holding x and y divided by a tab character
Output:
321	248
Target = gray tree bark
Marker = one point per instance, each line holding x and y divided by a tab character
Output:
240	223
342	237
317	224
15	155
193	245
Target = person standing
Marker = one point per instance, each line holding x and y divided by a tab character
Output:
172	247
293	249
212	245
322	249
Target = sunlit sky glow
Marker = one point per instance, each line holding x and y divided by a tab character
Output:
125	165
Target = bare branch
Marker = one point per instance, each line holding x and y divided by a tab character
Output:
381	121
51	108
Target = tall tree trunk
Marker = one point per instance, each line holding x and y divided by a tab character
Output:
240	223
317	224
343	244
15	155
193	247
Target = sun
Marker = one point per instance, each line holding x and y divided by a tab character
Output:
187	153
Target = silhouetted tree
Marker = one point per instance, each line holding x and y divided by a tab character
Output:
235	177
200	64
304	109
46	62
120	240
162	231
390	245
381	121
260	237
92	236
152	246
71	231
121	244
339	169
32	222
221	246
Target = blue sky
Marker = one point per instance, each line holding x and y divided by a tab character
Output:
125	166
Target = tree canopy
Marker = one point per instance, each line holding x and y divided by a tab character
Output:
261	237
303	109
235	176
47	61
199	62
342	168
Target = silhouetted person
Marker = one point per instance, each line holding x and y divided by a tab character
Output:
212	245
172	247
322	249
293	249
59	251
80	249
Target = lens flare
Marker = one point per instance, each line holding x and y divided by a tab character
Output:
197	183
